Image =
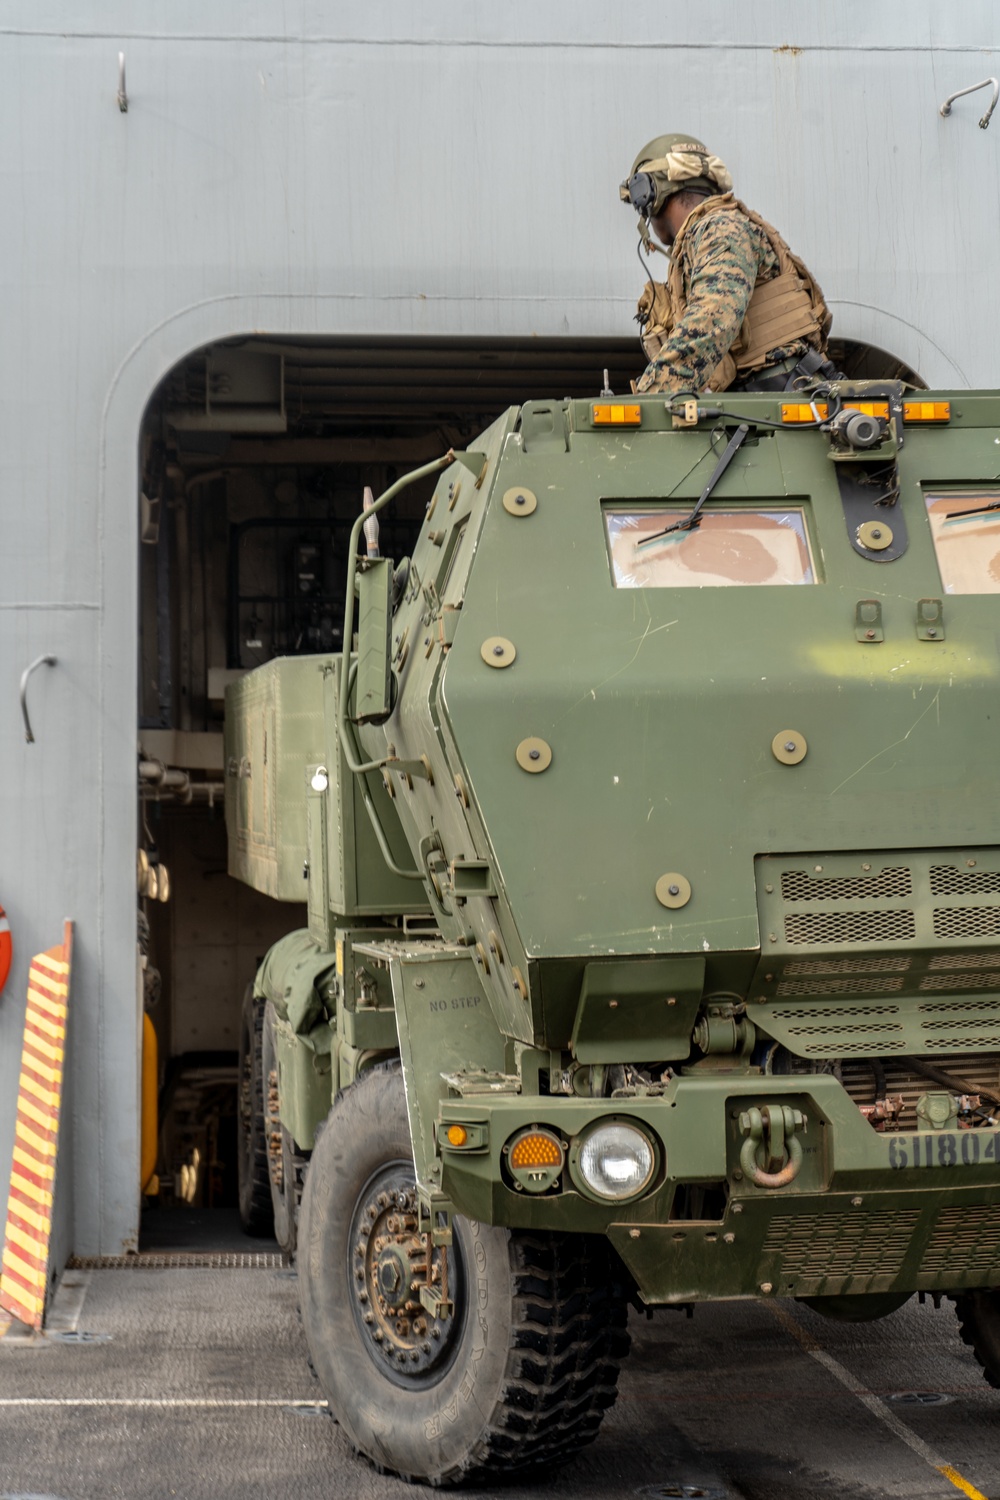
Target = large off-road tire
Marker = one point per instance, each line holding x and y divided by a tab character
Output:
979	1320
254	1186
282	1186
520	1375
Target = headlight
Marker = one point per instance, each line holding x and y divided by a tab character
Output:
615	1161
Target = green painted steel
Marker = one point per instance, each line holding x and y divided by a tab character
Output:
708	835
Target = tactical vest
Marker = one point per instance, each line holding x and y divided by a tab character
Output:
781	311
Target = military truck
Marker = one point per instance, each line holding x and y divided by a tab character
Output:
651	838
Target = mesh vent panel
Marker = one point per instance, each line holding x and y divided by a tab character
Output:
962	961
962	1023
799	885
857	1244
966	921
947	1043
843	1013
839	986
865	1046
852	926
893	965
959	1008
987	980
964	1241
950	880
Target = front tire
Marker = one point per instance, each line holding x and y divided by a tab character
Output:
253	1183
519	1376
279	1148
979	1321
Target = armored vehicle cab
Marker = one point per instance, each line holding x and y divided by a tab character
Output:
652	846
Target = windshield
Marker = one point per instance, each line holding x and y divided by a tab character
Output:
727	548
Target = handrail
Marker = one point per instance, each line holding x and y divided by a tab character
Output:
360	767
40	661
972	89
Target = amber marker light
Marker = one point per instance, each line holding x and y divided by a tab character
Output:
802	411
457	1135
536	1150
926	411
616	414
535	1157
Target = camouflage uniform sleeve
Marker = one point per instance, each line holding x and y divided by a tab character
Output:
721	271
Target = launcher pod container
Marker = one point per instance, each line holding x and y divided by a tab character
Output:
652	843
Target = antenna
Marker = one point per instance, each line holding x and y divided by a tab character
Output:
371	524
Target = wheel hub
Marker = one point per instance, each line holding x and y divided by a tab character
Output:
394	1276
390	1264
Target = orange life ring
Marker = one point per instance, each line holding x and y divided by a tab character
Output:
6	948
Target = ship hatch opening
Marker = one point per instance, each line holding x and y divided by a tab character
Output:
254	456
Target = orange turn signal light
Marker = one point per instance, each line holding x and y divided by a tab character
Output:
536	1149
616	414
926	411
457	1135
802	411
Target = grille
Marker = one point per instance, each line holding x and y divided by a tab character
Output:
839	986
896	926
987	979
964	1241
967	1023
887	965
981	1073
181	1259
847	1031
848	1013
962	961
966	921
799	885
856	1244
981	1039
867	1040
958	1008
949	880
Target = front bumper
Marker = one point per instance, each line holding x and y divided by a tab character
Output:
859	1217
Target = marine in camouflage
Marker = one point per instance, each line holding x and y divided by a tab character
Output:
723	257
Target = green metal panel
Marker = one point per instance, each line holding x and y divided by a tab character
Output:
316	793
660	705
639	1010
445	1025
360	882
373	691
274	728
280	728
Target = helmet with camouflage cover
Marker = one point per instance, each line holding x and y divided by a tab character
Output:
671	164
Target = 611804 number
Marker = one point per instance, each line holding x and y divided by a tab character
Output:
940	1148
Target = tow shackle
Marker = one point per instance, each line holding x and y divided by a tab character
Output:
771	1154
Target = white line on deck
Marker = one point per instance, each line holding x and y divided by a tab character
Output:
875	1405
159	1401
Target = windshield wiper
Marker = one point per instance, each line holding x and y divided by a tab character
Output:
690	522
977	510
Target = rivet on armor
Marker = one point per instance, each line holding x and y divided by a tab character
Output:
534	755
673	890
789	747
519	501
498	651
875	535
